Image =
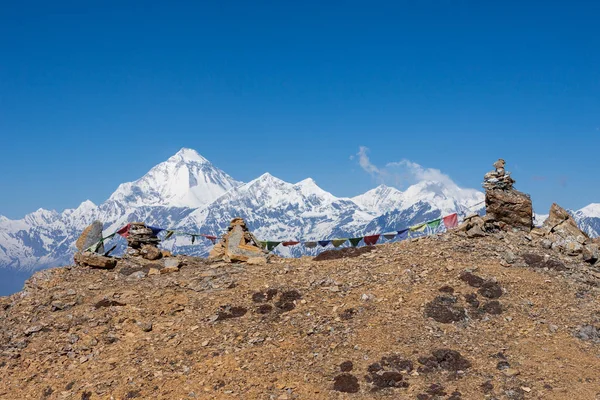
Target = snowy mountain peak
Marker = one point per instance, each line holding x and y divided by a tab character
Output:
380	199
591	211
185	180
188	155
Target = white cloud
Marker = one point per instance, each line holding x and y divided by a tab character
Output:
401	173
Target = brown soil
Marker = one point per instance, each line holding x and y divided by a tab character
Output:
350	328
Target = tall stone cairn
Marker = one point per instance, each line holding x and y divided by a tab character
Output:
503	203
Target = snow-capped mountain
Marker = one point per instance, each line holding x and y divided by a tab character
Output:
164	196
588	219
185	180
425	201
188	193
278	210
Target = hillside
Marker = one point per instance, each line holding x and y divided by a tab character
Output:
518	324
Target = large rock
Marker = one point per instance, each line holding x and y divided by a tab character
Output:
94	260
90	235
563	227
510	207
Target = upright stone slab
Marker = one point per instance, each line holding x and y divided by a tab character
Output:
91	235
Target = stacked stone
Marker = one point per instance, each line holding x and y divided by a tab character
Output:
143	242
506	207
499	178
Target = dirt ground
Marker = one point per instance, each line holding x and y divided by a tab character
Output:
443	317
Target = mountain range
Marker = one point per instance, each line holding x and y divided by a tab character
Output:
188	193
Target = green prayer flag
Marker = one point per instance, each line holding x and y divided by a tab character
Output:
169	234
435	223
263	244
338	242
272	245
355	241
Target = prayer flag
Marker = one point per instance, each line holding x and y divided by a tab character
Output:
338	242
155	230
290	243
403	234
371	240
272	245
213	239
389	236
435	223
324	243
310	245
169	234
418	228
124	231
451	221
355	241
193	238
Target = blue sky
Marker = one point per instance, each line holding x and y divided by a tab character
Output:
93	94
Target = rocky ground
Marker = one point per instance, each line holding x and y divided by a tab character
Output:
445	317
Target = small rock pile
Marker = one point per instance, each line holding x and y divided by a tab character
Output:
239	244
499	178
142	241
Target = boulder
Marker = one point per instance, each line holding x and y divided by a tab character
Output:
150	252
94	260
510	207
91	235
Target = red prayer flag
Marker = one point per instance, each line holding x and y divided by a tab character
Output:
451	221
124	231
290	243
371	240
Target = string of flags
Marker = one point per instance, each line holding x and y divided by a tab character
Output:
449	221
124	232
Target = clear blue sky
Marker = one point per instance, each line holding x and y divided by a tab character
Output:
94	93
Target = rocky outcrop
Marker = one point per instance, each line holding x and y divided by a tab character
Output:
560	232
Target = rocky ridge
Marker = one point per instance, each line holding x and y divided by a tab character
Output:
493	316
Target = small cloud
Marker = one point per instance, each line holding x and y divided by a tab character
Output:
401	173
365	162
538	178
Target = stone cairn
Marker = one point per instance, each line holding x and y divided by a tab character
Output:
141	241
499	178
239	245
508	210
503	204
